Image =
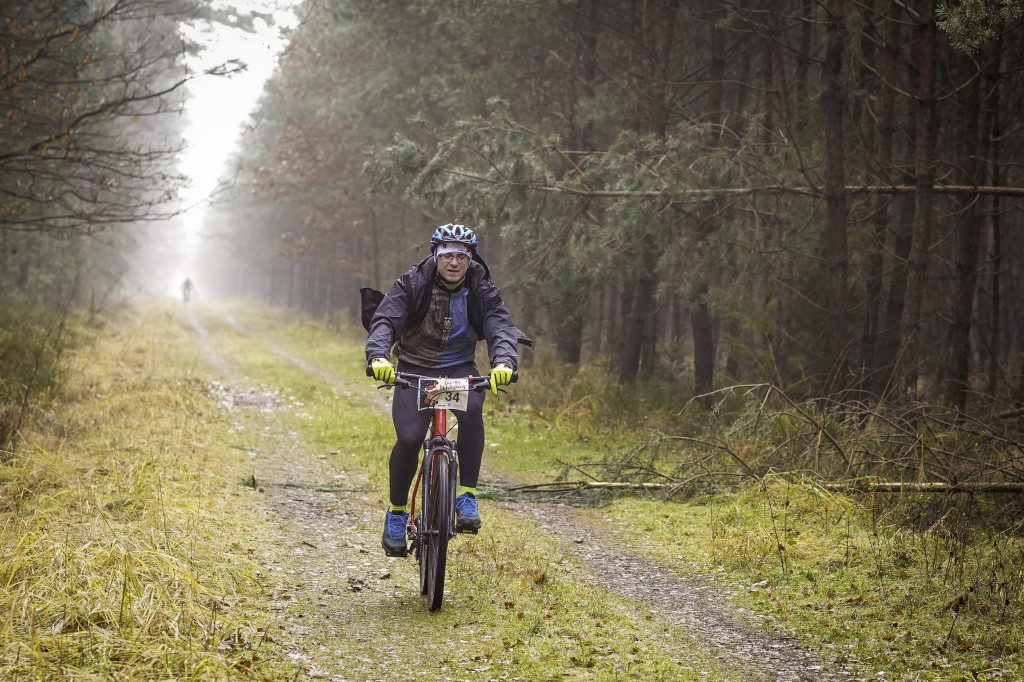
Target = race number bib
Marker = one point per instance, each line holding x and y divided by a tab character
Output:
447	394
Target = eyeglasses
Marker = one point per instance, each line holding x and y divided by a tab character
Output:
448	257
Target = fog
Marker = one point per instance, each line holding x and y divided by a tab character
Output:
217	111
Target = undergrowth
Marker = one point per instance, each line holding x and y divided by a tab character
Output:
867	529
33	341
879	583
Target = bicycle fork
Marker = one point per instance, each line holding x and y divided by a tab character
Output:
438	446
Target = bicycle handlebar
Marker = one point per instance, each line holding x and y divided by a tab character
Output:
408	380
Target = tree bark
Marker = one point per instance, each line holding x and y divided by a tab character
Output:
291	282
569	330
703	343
993	134
881	205
908	355
781	343
700	316
642	310
968	242
803	59
837	221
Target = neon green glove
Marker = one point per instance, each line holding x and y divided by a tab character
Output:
501	375
383	370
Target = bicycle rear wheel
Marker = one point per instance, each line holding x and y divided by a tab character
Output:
438	515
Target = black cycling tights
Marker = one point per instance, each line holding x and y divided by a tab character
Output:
411	427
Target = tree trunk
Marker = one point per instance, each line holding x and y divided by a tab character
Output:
881	205
700	317
703	344
832	102
994	133
803	58
781	346
330	302
291	282
569	329
908	355
889	334
994	335
642	308
968	241
649	340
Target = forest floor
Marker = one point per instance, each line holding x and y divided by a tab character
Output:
546	591
204	497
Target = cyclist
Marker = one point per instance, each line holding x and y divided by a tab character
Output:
186	290
437	312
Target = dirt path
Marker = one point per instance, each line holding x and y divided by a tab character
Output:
696	606
311	543
318	546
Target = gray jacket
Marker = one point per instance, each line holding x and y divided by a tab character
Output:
405	305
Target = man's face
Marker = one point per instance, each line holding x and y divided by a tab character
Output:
452	267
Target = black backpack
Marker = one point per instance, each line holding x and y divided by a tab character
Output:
370	299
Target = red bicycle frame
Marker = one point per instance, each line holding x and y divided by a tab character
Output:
438	426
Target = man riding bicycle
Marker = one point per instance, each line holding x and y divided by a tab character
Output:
437	312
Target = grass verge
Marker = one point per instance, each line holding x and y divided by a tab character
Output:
116	548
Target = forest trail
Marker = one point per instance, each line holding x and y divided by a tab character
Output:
343	607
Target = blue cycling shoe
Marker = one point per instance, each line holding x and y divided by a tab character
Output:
467	513
393	541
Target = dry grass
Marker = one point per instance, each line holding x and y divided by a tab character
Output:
940	599
115	549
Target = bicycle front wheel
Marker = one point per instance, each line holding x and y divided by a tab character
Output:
438	515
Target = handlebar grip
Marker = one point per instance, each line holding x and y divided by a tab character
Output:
369	371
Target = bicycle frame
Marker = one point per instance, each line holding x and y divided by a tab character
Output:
435	524
436	442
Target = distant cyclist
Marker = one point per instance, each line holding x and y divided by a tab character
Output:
437	312
186	290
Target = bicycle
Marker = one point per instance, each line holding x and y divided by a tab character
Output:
437	478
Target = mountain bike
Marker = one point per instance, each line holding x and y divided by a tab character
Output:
431	528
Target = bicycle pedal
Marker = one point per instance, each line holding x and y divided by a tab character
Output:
468	531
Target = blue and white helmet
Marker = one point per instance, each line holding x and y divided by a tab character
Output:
460	234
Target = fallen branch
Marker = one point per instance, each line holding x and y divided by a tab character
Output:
577	486
1010	413
887	487
566	486
851	486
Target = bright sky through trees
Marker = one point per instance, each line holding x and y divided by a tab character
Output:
218	105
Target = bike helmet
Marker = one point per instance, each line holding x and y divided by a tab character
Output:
453	233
